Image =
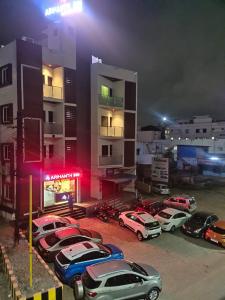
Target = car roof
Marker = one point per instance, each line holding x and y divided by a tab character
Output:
102	269
182	196
150	201
220	224
79	248
144	216
47	219
172	211
66	232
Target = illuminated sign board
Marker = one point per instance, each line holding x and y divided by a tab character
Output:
62	176
65	8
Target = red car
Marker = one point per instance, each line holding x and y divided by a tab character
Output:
151	206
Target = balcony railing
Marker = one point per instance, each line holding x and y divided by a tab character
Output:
114	131
53	128
52	92
110	160
111	101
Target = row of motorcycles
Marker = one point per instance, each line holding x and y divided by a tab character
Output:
105	212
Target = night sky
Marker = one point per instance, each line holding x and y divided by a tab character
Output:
176	46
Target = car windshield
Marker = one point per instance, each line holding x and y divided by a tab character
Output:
164	215
52	239
218	229
89	282
136	268
84	232
104	248
63	259
152	224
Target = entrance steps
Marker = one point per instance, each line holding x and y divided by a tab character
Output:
63	210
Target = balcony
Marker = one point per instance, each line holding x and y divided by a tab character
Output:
111	101
110	160
52	92
53	128
113	131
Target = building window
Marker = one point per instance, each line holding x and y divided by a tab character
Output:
7	114
44	151
186	130
43	79
110	150
204	130
106	91
104	150
6	152
197	130
6	75
104	121
50	116
51	151
49	81
6	188
138	151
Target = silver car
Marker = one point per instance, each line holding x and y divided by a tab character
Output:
118	280
45	225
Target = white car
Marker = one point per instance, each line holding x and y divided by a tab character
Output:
142	223
45	225
161	189
171	218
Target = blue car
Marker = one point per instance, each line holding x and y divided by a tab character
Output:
72	261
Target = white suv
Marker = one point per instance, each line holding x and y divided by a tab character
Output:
142	223
183	202
161	189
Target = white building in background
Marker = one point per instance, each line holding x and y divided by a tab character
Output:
198	127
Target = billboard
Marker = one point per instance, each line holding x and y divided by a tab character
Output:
160	169
64	8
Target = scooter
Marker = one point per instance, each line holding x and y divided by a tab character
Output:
112	213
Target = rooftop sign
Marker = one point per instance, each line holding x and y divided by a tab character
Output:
62	176
65	8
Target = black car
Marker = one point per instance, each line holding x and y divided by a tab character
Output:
199	223
153	207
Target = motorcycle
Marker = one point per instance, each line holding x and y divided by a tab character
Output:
101	214
112	213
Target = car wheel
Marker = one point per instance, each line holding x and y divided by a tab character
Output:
153	294
121	222
173	228
78	289
140	236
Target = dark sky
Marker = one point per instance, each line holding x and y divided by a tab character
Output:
176	46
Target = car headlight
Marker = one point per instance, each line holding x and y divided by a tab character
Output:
197	230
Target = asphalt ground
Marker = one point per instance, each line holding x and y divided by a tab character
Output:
191	269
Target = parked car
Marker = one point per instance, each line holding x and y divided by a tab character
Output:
72	261
45	225
184	202
199	222
151	206
216	233
142	223
171	218
118	280
49	246
161	189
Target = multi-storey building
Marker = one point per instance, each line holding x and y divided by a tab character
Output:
65	121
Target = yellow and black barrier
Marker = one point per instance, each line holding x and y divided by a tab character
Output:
54	293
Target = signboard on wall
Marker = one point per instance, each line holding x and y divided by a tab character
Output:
64	8
160	169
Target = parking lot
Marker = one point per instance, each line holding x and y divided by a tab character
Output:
190	268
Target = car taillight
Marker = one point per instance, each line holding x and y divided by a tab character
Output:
92	294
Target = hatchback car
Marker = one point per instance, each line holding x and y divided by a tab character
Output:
151	206
216	233
118	280
161	189
71	262
45	225
49	246
171	218
184	202
142	223
199	222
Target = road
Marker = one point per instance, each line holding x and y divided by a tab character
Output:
191	269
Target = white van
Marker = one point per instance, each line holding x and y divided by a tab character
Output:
161	189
